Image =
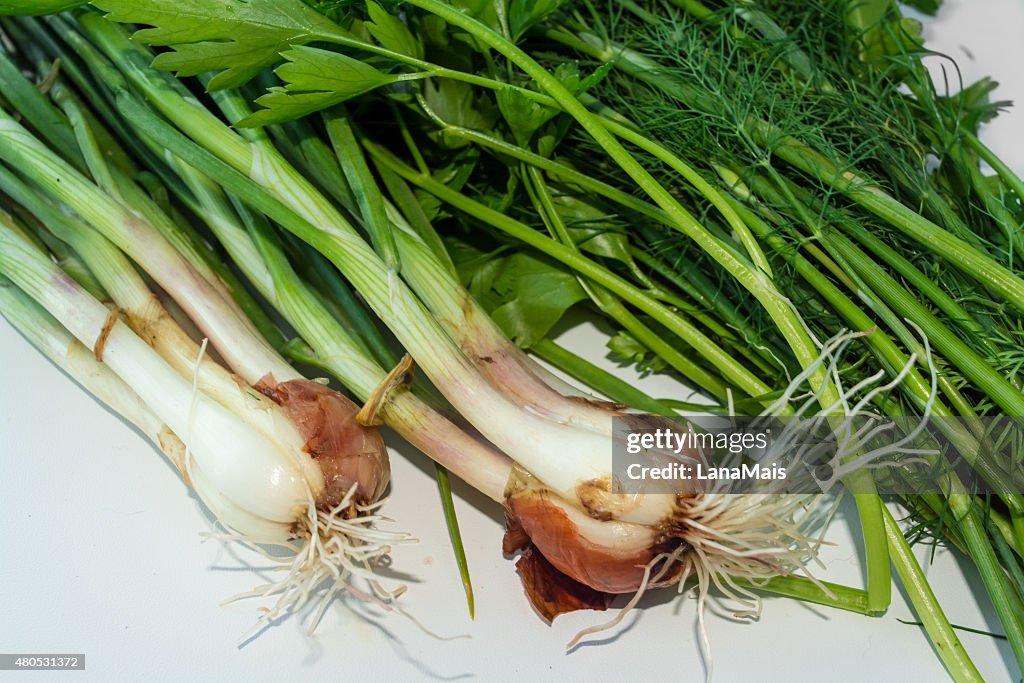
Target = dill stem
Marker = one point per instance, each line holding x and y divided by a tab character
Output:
998	212
959	253
702	11
998	165
611	305
1004	525
1017	520
947	644
933	508
969	445
952	347
892	358
699	183
608	303
1013	568
908	306
1007	603
695	284
602	298
921	282
857	286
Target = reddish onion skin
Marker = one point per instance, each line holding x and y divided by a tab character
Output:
606	556
552	592
347	452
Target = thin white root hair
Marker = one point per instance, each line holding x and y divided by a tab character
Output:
331	555
667	559
730	538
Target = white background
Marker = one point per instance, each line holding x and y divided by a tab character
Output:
100	548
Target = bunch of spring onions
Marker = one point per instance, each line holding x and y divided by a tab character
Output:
607	542
303	197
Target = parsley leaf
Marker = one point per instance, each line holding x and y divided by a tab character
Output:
625	348
523	14
525	295
459	104
315	79
238	38
391	33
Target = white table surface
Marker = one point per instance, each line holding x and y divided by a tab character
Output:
100	548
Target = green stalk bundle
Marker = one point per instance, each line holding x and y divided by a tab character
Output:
733	186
